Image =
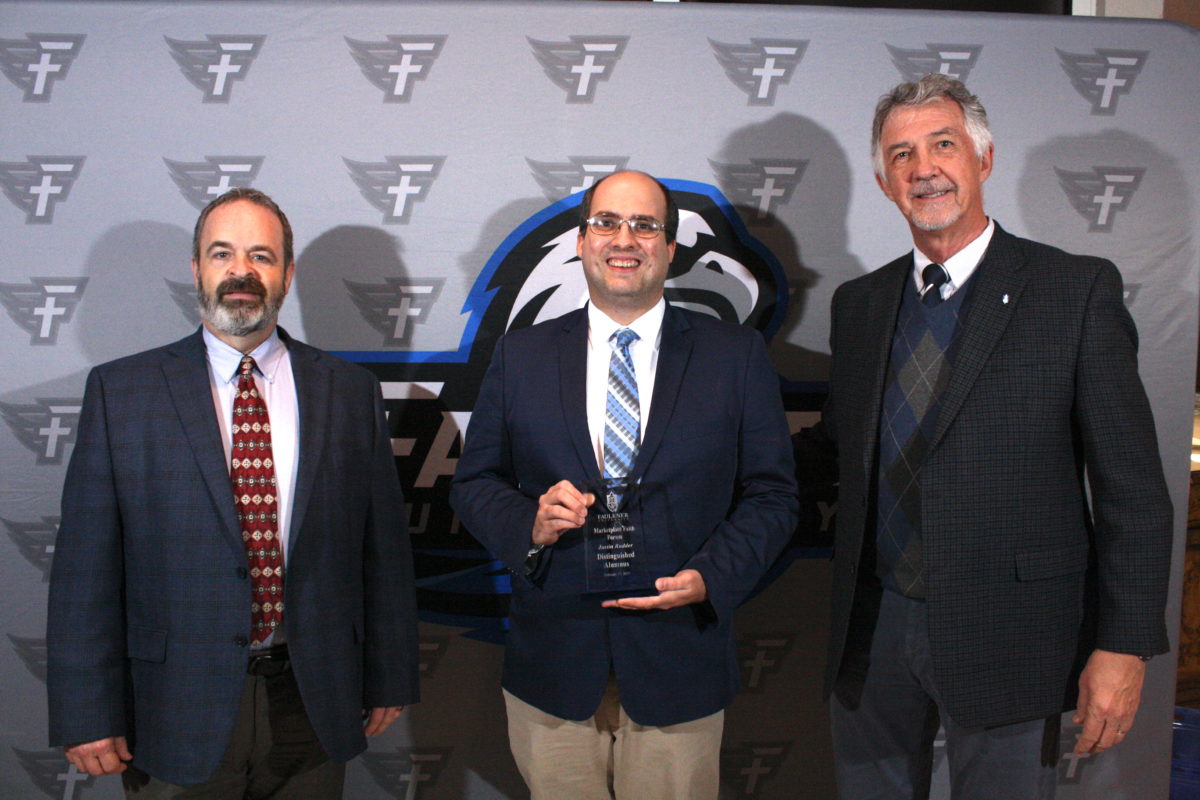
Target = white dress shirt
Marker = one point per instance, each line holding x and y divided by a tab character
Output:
278	390
959	266
644	352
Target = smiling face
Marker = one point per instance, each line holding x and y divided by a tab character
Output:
933	175
625	274
241	278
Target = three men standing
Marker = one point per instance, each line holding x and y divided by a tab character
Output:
231	593
684	412
981	386
1003	517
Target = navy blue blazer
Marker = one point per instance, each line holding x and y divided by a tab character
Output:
718	495
1022	573
149	611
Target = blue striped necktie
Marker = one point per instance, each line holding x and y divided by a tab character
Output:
622	411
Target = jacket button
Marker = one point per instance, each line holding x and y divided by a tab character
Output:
241	641
242	572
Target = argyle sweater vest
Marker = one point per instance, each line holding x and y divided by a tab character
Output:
919	367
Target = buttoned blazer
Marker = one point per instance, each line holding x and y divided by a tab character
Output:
1044	392
149	609
717	491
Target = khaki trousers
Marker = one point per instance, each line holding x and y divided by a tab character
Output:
612	757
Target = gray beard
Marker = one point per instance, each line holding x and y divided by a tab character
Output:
932	225
237	320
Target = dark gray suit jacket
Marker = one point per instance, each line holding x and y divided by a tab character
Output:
149	597
1045	385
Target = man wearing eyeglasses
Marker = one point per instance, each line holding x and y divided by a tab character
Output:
664	425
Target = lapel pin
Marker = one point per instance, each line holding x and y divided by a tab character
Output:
1004	299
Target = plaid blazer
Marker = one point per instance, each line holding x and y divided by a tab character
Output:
1024	576
149	600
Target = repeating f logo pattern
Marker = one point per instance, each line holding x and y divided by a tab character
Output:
761	183
580	64
1098	195
1070	766
392	184
213	65
430	650
759	68
34	63
1131	293
749	766
45	426
32	653
42	306
52	774
38	185
397	64
203	181
408	770
761	656
1103	76
34	541
395	306
184	296
952	60
560	179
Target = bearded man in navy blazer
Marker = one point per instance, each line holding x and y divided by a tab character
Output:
161	665
623	697
977	382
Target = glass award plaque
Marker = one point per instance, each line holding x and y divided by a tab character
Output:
613	541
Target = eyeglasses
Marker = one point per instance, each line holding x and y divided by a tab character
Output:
609	224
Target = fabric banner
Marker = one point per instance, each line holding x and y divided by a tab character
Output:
430	157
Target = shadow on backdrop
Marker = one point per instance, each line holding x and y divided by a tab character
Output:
360	254
130	305
807	233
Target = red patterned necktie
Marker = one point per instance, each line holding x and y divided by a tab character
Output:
252	470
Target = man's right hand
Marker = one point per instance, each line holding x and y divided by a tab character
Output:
561	508
103	757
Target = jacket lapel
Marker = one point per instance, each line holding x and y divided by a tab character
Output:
883	307
572	387
993	299
673	353
186	374
313	380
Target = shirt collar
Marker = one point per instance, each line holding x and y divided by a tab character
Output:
959	266
648	326
226	361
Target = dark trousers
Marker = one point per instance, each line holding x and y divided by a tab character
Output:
273	751
886	712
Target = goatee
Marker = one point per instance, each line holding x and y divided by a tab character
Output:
239	317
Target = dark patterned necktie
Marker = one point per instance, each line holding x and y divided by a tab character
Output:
252	469
934	276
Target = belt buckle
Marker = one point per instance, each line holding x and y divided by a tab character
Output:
269	661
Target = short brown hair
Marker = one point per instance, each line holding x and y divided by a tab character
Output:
253	196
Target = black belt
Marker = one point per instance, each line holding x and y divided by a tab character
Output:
269	661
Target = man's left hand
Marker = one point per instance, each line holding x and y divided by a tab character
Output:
1110	690
685	588
379	719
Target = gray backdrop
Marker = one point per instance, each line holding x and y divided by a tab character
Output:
416	146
